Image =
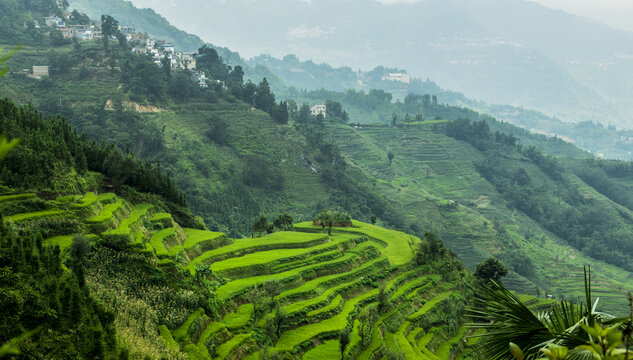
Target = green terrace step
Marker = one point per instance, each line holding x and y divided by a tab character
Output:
334	305
398	245
132	222
374	345
428	306
292	338
16	197
36	215
239	318
318	284
444	350
279	240
248	265
425	340
330	350
199	241
239	286
225	349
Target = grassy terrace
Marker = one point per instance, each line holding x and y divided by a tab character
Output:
125	228
295	337
108	212
325	283
158	240
398	245
16	197
279	240
279	255
35	215
236	287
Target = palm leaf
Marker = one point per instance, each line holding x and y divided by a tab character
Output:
508	320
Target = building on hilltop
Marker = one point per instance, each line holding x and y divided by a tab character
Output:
200	78
55	21
318	109
67	32
185	61
86	32
399	77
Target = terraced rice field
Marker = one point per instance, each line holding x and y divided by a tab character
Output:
322	284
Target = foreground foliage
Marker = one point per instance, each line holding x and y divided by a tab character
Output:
569	330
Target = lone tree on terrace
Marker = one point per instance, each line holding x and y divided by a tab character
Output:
491	269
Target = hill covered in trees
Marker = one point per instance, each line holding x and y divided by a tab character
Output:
89	273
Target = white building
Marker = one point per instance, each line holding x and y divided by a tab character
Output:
39	72
55	21
318	109
399	77
200	78
185	61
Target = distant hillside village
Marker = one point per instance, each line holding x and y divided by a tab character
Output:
75	26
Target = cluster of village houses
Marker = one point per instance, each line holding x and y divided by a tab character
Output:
157	49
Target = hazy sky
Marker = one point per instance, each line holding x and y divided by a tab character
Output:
617	13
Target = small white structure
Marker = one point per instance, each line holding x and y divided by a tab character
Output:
39	72
399	77
55	21
86	32
200	78
318	109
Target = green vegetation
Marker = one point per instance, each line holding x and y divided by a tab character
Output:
328	350
568	330
239	319
26	216
148	280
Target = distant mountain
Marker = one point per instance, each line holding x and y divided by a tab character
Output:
500	51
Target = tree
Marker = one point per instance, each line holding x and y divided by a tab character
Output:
344	340
322	218
491	269
201	273
329	222
373	219
390	156
280	317
208	60
166	64
280	112
236	77
260	225
283	221
109	28
383	299
264	98
272	288
79	249
430	249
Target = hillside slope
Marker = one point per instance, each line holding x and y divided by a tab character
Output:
438	179
184	293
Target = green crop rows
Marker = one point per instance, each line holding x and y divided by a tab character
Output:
324	285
